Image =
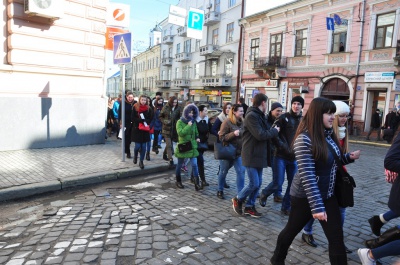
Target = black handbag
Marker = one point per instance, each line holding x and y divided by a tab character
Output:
345	184
185	147
202	146
224	151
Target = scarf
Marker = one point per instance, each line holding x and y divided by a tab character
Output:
342	132
143	108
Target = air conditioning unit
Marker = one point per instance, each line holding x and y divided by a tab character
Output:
274	75
53	9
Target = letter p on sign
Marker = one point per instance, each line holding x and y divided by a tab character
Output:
195	23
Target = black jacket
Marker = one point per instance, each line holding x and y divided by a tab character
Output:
204	128
392	163
375	120
288	124
256	150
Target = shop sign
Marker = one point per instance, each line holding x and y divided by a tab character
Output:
284	87
298	83
210	92
379	77
397	85
262	83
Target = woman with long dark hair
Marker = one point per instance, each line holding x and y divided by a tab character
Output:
141	116
313	188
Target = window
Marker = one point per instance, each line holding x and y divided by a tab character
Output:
164	53
169	74
229	32
157	61
217	5
215	37
185	72
163	76
231	3
254	49
275	45
228	66
158	40
197	71
178	48
176	72
214	66
170	52
197	47
301	42
187	45
384	30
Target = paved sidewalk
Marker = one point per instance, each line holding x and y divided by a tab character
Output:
28	172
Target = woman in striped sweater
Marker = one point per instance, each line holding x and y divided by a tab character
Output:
313	187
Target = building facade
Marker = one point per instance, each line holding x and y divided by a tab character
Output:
52	90
342	50
202	69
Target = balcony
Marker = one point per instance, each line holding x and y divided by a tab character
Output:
212	18
208	49
163	83
183	57
269	63
167	61
216	81
182	31
168	39
182	82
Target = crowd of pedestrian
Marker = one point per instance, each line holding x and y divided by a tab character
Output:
307	150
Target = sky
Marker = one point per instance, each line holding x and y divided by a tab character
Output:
255	6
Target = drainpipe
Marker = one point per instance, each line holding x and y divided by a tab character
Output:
358	64
240	57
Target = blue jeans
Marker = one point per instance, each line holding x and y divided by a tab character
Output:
389	215
389	249
308	227
193	161
251	189
225	165
142	147
275	186
279	167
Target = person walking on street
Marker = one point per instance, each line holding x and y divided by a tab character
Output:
169	115
141	117
204	128
157	124
231	132
284	160
375	125
340	128
387	244
255	154
187	133
116	107
128	122
217	126
275	186
313	190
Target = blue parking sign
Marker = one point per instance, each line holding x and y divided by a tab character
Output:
195	20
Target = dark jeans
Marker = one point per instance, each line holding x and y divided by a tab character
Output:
155	139
142	148
128	140
299	215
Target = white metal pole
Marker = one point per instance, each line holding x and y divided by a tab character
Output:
123	112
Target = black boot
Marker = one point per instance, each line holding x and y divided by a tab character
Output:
135	160
220	194
226	186
376	224
141	165
191	179
388	236
165	157
148	156
128	155
171	164
155	150
203	181
179	182
196	183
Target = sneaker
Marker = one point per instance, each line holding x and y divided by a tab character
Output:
237	206
184	169
364	257
252	212
263	200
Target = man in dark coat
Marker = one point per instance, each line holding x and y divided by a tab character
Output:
244	105
256	153
375	125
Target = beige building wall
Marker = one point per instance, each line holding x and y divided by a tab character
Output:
52	75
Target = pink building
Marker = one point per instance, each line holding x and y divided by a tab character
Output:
312	48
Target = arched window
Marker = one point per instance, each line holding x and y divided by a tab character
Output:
336	89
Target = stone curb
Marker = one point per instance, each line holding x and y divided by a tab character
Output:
369	143
28	190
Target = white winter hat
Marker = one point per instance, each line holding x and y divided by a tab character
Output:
341	107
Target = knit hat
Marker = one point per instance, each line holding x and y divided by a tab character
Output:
341	107
298	99
276	105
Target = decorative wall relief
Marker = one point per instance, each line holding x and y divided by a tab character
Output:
378	56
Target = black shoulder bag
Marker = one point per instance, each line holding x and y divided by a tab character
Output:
345	184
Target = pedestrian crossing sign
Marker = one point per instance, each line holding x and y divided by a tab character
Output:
122	48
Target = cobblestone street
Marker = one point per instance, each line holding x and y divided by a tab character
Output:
152	222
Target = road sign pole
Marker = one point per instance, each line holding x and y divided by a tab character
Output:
123	113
